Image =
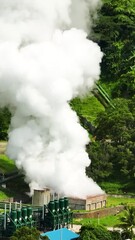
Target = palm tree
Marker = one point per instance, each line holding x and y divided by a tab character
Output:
128	222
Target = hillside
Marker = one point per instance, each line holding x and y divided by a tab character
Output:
112	149
88	107
16	187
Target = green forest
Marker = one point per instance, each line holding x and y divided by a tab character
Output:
108	117
112	125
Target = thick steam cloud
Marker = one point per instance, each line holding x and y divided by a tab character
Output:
45	61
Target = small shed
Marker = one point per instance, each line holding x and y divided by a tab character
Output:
61	234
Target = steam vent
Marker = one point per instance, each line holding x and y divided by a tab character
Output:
43	196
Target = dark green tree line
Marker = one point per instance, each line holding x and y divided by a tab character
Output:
113	151
5	117
115	33
93	232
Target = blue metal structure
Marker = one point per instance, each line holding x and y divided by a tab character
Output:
61	234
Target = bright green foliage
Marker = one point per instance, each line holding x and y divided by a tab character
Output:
6	164
25	233
87	107
115	201
115	32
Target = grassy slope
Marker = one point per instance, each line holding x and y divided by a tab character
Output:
115	201
88	107
16	187
6	164
108	221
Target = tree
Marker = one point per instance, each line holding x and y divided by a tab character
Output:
115	33
5	117
128	222
113	151
101	166
92	232
26	233
115	235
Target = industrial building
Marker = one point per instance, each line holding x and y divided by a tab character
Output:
43	196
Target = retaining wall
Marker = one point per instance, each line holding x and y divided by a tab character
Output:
99	213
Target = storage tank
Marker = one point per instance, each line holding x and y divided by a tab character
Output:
29	213
13	216
56	203
19	215
51	206
66	203
61	204
24	214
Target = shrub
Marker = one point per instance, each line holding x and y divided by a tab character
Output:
93	232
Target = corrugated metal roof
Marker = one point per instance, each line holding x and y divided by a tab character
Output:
61	234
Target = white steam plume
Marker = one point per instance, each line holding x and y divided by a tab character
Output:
45	61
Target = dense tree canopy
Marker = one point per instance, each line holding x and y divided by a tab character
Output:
115	32
113	151
93	232
26	233
4	123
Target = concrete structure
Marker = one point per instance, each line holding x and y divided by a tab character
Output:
95	202
42	197
77	203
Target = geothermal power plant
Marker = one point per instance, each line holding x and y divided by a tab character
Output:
47	212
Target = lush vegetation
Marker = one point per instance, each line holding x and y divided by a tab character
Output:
115	201
94	229
127	222
4	123
26	233
6	164
14	188
108	221
115	33
87	108
112	149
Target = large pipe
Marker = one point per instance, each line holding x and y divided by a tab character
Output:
11	177
102	96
